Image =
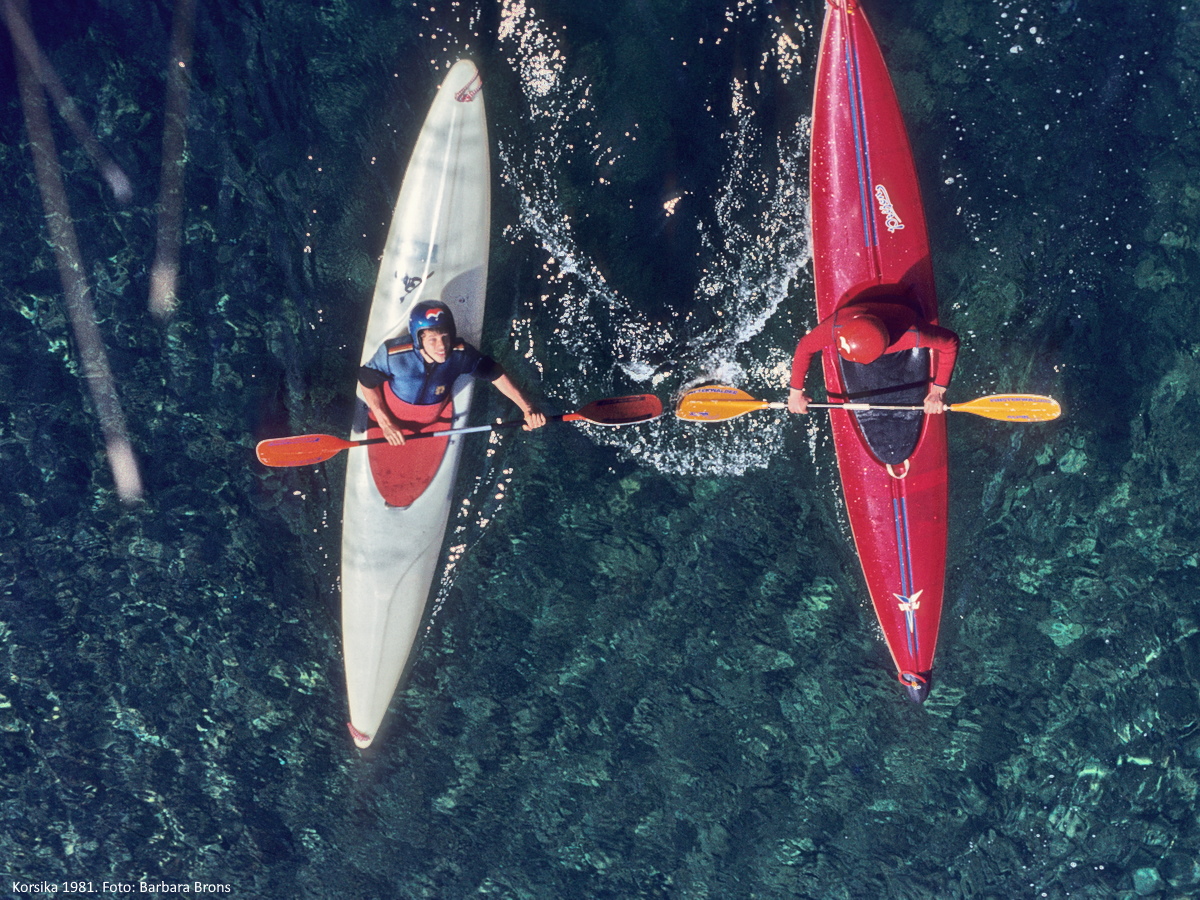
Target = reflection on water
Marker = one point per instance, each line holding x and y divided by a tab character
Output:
34	72
653	670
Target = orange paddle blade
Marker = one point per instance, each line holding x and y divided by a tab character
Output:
1012	407
300	450
716	402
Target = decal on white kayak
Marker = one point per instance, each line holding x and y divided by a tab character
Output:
471	91
890	218
412	282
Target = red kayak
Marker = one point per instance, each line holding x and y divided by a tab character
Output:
869	243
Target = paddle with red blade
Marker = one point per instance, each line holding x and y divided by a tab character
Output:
715	403
307	449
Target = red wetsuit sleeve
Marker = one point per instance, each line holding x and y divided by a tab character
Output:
944	344
942	341
810	345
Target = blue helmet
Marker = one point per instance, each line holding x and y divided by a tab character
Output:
430	314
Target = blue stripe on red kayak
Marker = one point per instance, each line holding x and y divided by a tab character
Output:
909	601
862	155
900	513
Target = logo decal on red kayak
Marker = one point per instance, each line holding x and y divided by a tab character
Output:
909	606
890	218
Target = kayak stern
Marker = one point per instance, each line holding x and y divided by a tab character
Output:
917	685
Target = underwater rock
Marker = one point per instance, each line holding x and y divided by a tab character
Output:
755	658
1187	44
1062	633
1180	870
954	19
1150	276
623	557
622	503
1147	881
1173	241
1073	461
916	95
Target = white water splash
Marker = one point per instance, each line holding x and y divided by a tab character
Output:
749	261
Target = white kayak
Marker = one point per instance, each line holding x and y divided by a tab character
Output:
437	249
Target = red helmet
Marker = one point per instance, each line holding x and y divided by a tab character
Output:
861	338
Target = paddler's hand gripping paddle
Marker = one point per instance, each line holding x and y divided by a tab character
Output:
717	402
307	449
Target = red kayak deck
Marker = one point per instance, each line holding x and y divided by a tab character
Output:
402	473
869	240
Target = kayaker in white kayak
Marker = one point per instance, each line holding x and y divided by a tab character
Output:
422	368
863	332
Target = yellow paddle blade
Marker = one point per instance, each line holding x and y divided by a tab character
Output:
716	402
1012	407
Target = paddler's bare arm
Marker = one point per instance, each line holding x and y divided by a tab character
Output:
534	417
798	401
381	414
933	399
944	344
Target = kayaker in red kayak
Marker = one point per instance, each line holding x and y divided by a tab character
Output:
862	332
423	367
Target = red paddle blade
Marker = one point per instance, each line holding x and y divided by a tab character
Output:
300	450
621	410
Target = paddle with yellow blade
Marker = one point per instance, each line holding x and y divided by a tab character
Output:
307	449
715	403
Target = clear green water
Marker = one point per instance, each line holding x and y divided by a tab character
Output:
654	672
